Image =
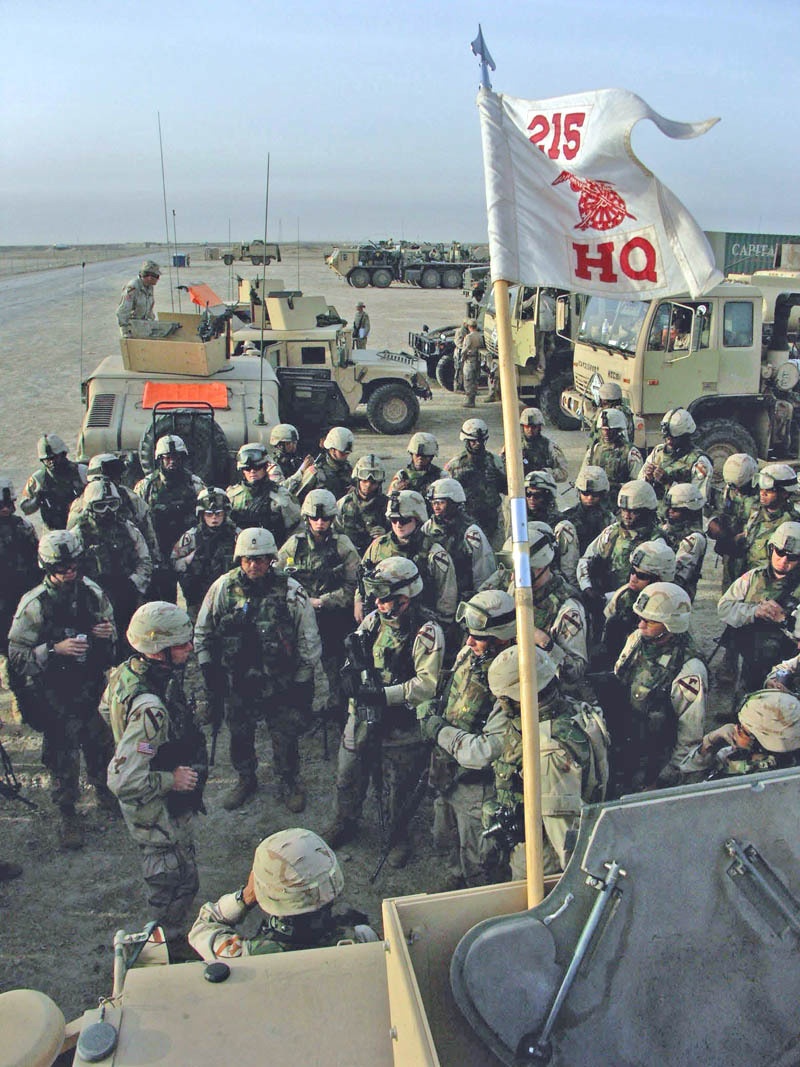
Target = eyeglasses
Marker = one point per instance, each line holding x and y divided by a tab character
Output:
643	576
536	493
64	568
793	557
400	520
214	511
589	492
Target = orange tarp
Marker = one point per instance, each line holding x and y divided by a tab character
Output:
203	295
177	394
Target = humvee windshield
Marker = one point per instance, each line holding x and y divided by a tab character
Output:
615	324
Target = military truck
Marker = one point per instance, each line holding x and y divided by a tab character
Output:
256	251
428	266
727	358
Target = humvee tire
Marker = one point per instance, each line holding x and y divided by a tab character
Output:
209	456
227	260
446	373
359	277
382	278
550	402
256	260
392	408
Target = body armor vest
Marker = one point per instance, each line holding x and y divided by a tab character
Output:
172	505
213	552
57	492
254	505
316	566
256	635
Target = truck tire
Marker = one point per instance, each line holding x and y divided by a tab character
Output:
429	279
392	408
550	402
359	277
382	278
721	438
209	454
227	260
452	278
446	373
267	260
256	260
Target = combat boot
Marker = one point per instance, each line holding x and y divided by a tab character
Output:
469	402
70	831
399	855
341	830
106	801
295	797
9	871
246	784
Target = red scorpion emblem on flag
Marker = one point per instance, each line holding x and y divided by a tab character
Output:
600	207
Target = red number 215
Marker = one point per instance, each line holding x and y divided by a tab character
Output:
565	130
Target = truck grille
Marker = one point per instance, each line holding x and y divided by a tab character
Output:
101	410
581	378
490	341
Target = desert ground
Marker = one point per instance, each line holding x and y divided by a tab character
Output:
57	321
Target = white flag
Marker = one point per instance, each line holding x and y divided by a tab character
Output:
571	206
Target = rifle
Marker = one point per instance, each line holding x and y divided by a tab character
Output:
508	827
10	785
358	675
404	817
363	574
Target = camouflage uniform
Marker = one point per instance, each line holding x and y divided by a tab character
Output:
172	504
541	453
360	322
470	353
19	570
620	622
418	481
52	492
202	555
692	466
334	475
761	643
137	302
483	478
588	523
58	695
468	547
787	672
154	733
116	557
436	568
362	520
621	462
558	611
263	637
288	463
759	528
266	505
605	565
567	544
132	508
737	506
594	431
689	544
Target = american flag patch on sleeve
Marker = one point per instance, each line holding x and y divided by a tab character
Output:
145	748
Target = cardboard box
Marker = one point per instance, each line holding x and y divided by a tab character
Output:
182	353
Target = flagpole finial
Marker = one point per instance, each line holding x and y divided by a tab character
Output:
480	50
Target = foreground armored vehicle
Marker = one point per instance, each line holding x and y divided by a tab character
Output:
428	266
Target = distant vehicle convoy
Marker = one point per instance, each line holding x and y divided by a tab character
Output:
256	251
428	266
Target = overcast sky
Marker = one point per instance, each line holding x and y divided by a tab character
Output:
367	110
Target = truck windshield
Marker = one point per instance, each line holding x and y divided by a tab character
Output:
614	324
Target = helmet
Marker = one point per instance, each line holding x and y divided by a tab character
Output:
677	423
405	505
685	495
251	346
773	718
611	419
447	489
369	468
778	476
542	480
423	444
295	872
254	541
283	431
609	391
503	673
470	322
319	504
170	445
7	494
101	495
531	417
786	538
339	437
592	480
474	430
637	494
394	576
212	499
150	267
50	445
159	625
105	465
59	546
739	469
542	543
654	557
360	304
666	603
251	456
489	614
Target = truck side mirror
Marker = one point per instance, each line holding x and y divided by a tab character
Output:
562	313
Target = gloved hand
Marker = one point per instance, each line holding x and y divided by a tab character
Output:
372	693
430	726
349	681
213	678
592	597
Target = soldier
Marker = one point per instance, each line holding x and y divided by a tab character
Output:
19	570
777	486
659	701
258	645
471	362
422	471
407	514
51	489
677	459
62	639
650	561
331	470
592	513
482	474
403	649
610	397
611	451
468	738
138	298
107	466
114	552
256	500
159	767
283	440
458	370
786	674
464	541
683	532
573	762
361	326
204	552
362	510
170	491
757	605
739	497
540	505
539	452
295	881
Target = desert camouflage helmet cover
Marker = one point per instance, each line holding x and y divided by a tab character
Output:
778	476
610	391
654	557
474	430
396	576
503	674
637	494
685	495
295	873
677	423
369	468
592	480
542	542
169	445
340	438
151	267
423	444
49	445
212	498
254	541
447	489
773	718
7	493
99	465
531	417
666	603
59	546
739	469
159	625
406	504
251	455
489	614
100	491
319	504
786	538
283	431
542	480
611	419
